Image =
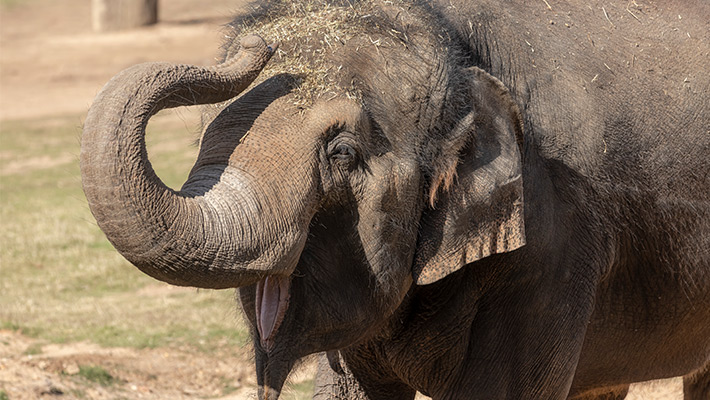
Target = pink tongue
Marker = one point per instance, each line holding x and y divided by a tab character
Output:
271	303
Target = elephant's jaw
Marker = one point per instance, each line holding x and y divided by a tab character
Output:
272	296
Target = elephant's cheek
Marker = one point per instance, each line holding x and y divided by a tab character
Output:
272	299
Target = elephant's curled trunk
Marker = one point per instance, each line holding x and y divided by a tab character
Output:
176	237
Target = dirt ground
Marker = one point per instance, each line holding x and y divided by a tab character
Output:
29	371
53	371
52	64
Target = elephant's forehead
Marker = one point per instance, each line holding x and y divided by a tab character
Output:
338	112
310	37
284	118
281	117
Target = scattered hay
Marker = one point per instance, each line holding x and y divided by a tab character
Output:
309	35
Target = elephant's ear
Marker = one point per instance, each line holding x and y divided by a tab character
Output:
476	199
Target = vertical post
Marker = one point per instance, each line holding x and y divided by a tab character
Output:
112	15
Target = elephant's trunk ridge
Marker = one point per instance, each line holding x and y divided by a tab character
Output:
172	236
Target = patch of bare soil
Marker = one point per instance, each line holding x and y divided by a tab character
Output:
51	63
662	389
29	370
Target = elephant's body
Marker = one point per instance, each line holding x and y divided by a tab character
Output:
471	199
613	285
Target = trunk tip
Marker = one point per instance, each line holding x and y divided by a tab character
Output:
256	43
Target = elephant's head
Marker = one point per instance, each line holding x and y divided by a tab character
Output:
366	160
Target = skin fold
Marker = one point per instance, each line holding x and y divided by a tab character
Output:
469	199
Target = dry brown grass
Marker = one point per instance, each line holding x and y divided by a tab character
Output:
309	35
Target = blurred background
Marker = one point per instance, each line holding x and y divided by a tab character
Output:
76	320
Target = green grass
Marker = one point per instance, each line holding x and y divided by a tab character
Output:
301	390
33	349
96	374
8	4
61	281
3	395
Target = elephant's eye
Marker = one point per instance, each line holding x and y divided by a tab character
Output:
343	150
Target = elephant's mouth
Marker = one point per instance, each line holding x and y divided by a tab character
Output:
272	296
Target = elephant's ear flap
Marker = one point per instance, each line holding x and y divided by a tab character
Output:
476	200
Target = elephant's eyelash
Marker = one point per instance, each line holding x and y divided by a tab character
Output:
333	131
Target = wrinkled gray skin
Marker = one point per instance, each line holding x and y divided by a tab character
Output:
515	203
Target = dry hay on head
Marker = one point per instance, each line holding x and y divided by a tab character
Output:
309	34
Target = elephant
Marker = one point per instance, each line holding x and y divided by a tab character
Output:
467	199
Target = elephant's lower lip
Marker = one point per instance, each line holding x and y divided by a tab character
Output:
272	296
